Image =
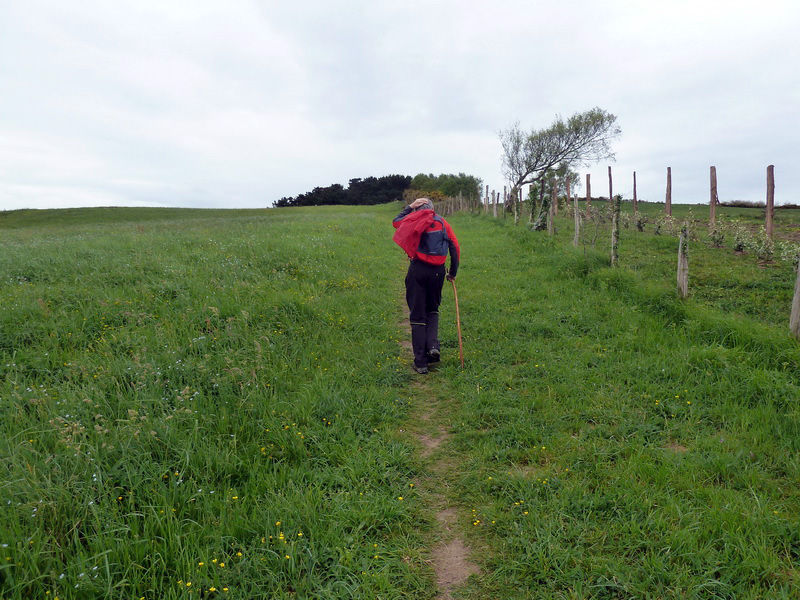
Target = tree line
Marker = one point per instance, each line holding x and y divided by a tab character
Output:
448	185
389	188
370	190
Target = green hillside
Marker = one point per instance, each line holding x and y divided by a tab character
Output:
203	404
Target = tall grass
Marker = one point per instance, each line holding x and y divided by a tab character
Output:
620	443
205	406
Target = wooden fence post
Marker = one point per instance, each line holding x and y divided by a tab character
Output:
533	203
615	207
712	219
668	201
569	197
770	199
794	320
517	193
555	198
683	263
486	200
635	199
588	195
551	218
577	237
505	201
541	203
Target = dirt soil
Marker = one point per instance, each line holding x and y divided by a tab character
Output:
450	557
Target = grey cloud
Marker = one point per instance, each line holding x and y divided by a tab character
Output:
240	103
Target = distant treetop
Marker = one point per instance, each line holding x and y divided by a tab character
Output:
389	188
449	185
370	190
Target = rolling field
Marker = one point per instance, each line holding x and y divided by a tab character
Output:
203	404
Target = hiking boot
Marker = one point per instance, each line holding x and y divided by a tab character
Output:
433	355
421	370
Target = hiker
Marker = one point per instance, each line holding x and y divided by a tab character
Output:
427	238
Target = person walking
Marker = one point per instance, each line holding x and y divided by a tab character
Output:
427	239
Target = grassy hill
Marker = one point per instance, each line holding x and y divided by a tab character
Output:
113	215
217	404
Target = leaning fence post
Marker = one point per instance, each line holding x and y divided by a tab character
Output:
794	320
555	198
532	201
577	237
668	200
566	186
770	199
569	197
588	195
615	208
712	218
541	198
683	263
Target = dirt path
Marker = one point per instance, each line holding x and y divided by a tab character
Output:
429	426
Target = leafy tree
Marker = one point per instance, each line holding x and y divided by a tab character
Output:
334	194
448	184
371	190
377	190
584	137
560	175
544	189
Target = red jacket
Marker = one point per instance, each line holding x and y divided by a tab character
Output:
426	236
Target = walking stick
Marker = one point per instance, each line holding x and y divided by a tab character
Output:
458	324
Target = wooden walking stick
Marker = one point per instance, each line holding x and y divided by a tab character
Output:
458	324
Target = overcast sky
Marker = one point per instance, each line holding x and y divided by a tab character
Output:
202	103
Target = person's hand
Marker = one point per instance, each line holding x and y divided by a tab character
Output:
417	203
450	277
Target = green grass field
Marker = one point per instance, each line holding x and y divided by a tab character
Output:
203	404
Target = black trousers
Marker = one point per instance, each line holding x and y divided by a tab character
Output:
424	284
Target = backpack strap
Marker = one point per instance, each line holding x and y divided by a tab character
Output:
444	229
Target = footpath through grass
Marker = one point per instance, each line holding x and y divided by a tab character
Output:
210	407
